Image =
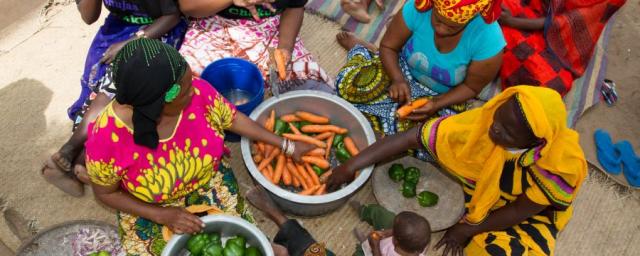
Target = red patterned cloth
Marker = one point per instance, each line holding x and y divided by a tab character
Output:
556	56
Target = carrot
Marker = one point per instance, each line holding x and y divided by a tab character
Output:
313	118
309	191
350	146
296	175
329	144
294	129
321	190
268	149
257	158
271	121
280	64
318	161
267	161
260	146
407	109
304	138
323	135
266	174
323	128
286	176
277	174
290	118
305	175
325	176
294	179
316	152
312	174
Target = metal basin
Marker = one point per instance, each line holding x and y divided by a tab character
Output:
342	114
227	226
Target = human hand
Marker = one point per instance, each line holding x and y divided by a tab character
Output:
301	148
251	6
340	175
455	239
110	54
400	92
505	16
424	112
179	220
374	240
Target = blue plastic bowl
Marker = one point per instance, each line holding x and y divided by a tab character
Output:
230	74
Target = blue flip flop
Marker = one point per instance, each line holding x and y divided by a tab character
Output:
608	154
630	162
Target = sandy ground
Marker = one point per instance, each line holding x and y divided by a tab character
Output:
39	78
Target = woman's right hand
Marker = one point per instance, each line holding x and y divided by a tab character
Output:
400	92
340	175
251	6
179	220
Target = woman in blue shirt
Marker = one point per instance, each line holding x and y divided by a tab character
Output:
445	50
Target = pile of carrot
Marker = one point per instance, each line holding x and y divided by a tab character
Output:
308	177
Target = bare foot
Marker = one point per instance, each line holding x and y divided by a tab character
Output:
357	9
279	250
259	198
64	157
360	236
356	206
62	180
348	40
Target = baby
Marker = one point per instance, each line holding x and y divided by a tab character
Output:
408	234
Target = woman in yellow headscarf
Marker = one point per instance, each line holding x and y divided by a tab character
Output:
445	50
520	166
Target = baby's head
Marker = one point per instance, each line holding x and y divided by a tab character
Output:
411	233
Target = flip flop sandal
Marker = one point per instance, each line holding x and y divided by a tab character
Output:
609	92
608	154
630	162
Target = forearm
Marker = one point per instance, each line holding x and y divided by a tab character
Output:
125	202
290	23
246	127
526	24
89	10
389	59
385	148
459	94
162	25
203	8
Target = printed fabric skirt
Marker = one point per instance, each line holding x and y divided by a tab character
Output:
213	38
112	31
363	82
140	236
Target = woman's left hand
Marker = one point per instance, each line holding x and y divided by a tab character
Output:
424	112
455	239
110	54
301	149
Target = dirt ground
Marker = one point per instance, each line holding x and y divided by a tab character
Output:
39	77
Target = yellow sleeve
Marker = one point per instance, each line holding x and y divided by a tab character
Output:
220	114
103	173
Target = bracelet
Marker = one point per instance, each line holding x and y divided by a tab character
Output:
283	146
291	148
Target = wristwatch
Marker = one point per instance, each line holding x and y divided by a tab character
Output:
141	34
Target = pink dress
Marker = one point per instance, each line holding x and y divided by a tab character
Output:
188	168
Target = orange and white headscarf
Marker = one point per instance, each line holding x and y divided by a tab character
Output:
462	11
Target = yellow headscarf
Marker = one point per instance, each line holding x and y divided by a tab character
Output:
462	11
464	147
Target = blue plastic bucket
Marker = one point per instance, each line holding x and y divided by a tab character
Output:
239	81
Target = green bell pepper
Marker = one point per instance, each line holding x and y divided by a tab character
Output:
214	238
412	175
342	154
100	253
213	249
396	172
408	189
233	250
337	140
317	170
239	241
280	127
196	243
427	199
252	251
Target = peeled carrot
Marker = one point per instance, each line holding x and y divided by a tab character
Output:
294	129
323	128
318	161
323	135
270	173
280	64
277	174
321	190
325	176
312	174
317	152
304	138
271	121
296	175
406	110
257	158
290	118
286	176
350	146
260	146
305	175
329	145
294	180
309	191
267	161
266	174
313	118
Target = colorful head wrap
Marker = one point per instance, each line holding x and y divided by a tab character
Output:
462	145
146	73
462	11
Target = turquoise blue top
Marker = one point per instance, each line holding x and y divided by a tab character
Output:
443	71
